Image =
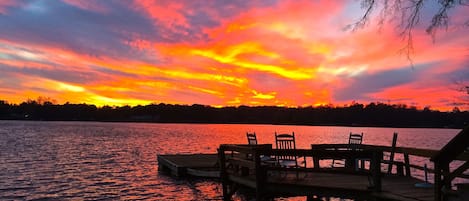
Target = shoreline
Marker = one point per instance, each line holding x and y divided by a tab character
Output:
240	123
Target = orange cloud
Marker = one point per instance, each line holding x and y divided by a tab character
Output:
289	53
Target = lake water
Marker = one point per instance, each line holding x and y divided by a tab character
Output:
117	161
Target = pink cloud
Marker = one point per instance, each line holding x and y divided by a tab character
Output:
167	12
5	4
92	5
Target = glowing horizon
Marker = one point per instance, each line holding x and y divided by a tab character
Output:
279	53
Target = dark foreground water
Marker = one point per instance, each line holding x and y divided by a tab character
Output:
117	161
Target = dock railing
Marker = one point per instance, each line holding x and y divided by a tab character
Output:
402	167
456	149
242	165
442	173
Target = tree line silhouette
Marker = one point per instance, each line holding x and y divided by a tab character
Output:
355	114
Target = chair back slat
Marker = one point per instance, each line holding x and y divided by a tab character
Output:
252	139
285	141
355	139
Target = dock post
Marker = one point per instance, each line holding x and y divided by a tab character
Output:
437	182
442	182
446	180
393	150
260	175
316	162
376	170
407	165
223	176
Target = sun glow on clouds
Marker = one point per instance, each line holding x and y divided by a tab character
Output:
263	96
230	59
68	87
284	53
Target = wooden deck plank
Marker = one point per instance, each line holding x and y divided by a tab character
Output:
394	187
306	183
327	180
200	165
192	160
405	187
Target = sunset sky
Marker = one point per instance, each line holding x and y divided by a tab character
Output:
224	53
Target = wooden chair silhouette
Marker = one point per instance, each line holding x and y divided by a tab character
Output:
356	138
286	142
252	139
353	140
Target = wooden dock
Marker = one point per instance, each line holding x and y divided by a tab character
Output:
242	166
198	165
351	186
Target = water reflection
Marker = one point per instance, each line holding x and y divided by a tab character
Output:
117	161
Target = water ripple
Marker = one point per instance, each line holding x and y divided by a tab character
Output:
117	161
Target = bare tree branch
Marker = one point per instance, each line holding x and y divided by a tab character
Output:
368	5
463	87
408	12
413	13
441	19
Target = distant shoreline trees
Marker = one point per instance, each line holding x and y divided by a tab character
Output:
356	114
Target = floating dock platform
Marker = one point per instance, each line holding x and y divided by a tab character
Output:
197	165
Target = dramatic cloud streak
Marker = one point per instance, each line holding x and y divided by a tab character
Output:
289	53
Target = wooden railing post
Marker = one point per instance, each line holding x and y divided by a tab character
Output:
316	162
437	182
376	169
442	180
407	165
391	155
446	181
223	174
259	174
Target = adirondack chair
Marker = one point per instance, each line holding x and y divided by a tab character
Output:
286	141
252	139
353	140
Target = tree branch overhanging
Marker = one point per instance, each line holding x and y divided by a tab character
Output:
408	13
